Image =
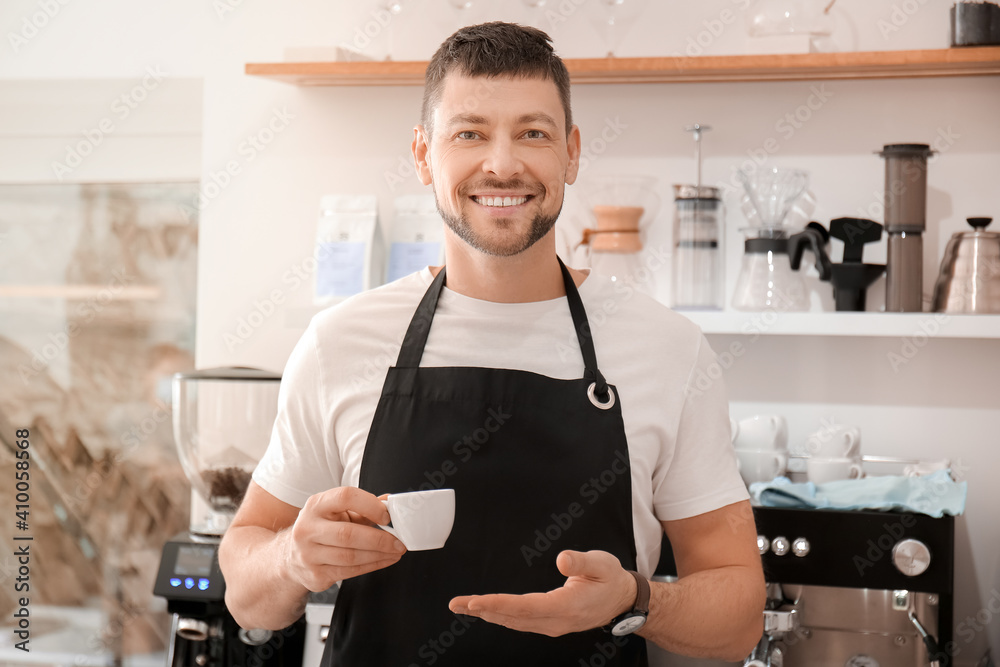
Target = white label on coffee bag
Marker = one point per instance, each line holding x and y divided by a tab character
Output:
406	258
341	269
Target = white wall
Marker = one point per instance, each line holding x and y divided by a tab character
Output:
258	227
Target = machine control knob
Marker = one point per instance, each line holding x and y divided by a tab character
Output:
192	629
800	547
911	557
780	546
763	544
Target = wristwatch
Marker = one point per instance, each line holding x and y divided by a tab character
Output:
634	619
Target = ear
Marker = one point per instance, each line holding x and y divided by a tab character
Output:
421	148
573	146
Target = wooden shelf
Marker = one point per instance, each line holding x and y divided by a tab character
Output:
902	325
965	61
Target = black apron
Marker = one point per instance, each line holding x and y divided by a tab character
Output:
538	465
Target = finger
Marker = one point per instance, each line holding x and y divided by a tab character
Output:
543	626
528	606
358	570
355	536
597	565
354	517
341	557
336	501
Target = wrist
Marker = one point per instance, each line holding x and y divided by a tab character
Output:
629	592
634	617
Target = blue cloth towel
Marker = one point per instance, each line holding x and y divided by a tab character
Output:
935	494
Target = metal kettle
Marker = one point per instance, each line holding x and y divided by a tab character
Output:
969	280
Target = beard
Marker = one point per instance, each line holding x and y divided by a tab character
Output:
508	244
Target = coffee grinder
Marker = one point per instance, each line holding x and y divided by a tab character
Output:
222	421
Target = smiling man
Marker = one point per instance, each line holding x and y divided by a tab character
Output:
571	448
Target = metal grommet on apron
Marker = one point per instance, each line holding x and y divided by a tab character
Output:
539	465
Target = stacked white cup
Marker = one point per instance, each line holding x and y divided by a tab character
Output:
761	444
834	454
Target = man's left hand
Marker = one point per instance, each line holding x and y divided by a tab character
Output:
597	589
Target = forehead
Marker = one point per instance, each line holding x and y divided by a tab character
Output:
498	98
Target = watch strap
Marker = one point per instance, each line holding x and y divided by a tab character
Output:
641	592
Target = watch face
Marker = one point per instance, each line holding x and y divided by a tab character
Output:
627	626
861	660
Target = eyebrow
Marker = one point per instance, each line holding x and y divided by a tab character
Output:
475	119
538	117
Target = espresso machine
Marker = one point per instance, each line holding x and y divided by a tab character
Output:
222	422
849	588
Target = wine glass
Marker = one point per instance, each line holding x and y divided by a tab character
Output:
394	8
611	23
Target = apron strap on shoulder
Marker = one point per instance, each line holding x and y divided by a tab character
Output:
412	348
584	334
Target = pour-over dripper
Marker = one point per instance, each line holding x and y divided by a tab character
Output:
771	194
621	206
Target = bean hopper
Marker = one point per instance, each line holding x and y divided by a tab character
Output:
222	424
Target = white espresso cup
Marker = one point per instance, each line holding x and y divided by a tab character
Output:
762	432
823	470
421	520
756	465
835	442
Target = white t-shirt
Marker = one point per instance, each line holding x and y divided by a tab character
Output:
681	457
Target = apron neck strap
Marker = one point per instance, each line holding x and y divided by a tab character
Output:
420	326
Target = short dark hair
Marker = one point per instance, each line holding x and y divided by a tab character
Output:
491	50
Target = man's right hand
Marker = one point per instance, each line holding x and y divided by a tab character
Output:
334	537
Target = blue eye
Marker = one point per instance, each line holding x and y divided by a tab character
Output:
468	134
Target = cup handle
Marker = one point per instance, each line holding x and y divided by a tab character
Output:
389	529
857	472
780	462
734	429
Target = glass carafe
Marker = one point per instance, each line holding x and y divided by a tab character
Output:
697	276
769	274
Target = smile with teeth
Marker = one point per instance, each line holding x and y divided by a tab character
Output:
499	201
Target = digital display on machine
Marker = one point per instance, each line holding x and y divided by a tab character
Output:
194	561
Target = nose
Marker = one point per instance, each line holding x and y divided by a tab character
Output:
503	159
